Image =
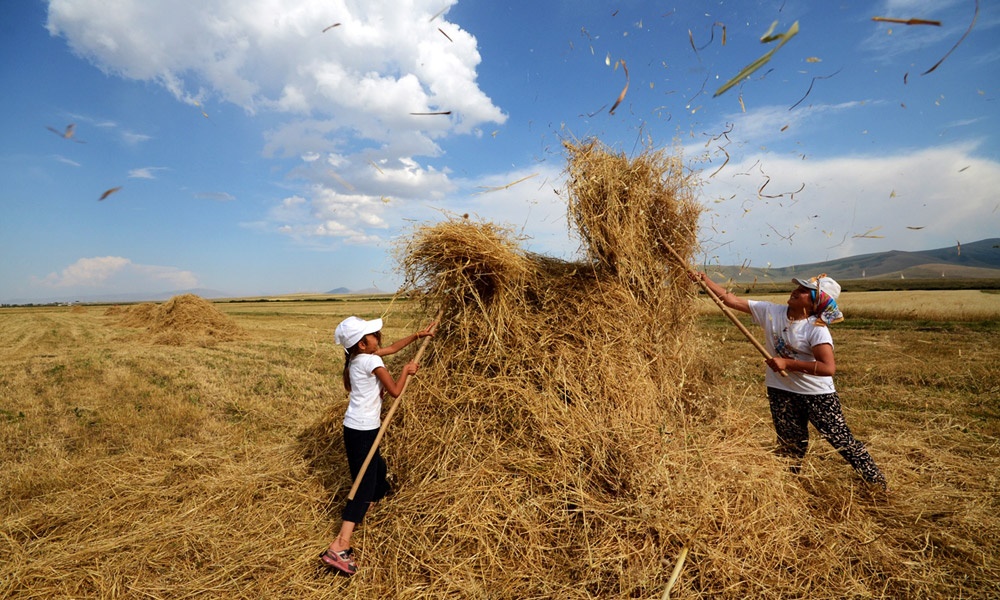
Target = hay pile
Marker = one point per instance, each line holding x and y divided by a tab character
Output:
182	320
535	457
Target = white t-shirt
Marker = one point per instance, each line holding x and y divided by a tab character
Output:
794	340
364	407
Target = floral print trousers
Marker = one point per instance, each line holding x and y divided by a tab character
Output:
792	414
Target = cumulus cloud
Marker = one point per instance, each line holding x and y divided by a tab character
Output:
115	273
349	92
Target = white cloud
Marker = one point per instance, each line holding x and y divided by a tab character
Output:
348	92
831	208
217	196
145	172
117	274
67	161
132	139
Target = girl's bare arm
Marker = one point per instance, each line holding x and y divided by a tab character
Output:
395	387
404	342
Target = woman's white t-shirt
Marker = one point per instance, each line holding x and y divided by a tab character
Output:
794	340
364	407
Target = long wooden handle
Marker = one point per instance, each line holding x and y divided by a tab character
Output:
388	416
725	309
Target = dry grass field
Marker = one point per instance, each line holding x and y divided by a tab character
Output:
140	463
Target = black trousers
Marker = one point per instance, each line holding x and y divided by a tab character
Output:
374	485
792	414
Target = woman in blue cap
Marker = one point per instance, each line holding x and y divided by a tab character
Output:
797	336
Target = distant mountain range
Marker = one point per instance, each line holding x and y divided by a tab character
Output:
343	290
975	260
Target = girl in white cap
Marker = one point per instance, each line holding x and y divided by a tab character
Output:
367	380
797	336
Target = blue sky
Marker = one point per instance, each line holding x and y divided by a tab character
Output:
257	153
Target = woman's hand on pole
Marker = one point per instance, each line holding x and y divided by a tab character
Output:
777	364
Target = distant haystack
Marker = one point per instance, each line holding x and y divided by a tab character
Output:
185	319
115	311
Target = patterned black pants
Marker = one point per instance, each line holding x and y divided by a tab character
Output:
792	414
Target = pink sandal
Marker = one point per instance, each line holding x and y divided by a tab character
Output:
341	561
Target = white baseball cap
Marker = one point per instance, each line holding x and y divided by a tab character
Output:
352	329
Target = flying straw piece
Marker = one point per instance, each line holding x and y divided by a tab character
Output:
907	21
487	190
716	172
811	83
869	234
760	62
444	112
108	193
711	37
621	96
342	181
67	134
372	163
437	14
915	228
446	35
325	29
960	40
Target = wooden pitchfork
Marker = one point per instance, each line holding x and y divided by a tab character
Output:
388	416
725	309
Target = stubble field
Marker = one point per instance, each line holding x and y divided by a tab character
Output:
145	465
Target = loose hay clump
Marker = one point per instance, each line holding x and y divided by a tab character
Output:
184	319
628	210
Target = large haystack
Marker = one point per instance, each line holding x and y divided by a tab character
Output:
533	457
184	319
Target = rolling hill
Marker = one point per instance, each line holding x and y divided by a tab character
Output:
975	260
